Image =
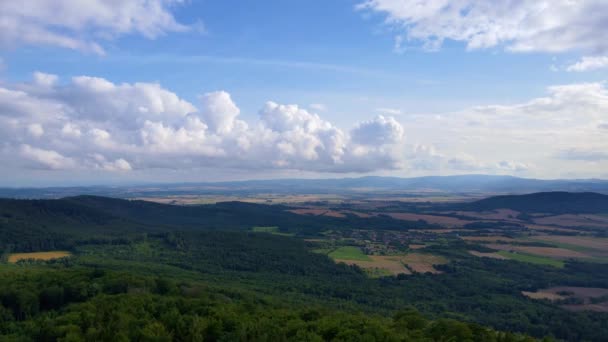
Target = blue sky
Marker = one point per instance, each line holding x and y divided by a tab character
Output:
423	110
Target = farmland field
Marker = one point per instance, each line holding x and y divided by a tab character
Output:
15	257
551	252
380	265
533	259
436	219
590	244
574	298
570	220
488	255
422	262
349	253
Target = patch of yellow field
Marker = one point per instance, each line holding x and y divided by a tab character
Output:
542	295
392	264
422	262
488	255
488	238
14	257
416	246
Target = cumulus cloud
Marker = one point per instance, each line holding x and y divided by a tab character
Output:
80	25
89	123
219	112
589	63
92	123
46	158
379	131
523	26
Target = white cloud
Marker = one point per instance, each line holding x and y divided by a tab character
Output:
92	123
379	131
219	112
43	79
589	63
35	130
525	137
80	25
523	26
46	158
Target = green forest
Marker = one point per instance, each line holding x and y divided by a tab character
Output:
149	272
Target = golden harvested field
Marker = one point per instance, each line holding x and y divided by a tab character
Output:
488	255
570	220
498	214
422	263
396	264
327	212
414	246
392	264
488	238
550	228
443	220
583	293
38	256
542	294
551	252
436	231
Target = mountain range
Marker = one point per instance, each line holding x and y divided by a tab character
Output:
461	184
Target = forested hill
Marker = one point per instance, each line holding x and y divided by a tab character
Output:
546	202
31	225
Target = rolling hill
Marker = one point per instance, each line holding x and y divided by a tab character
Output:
546	202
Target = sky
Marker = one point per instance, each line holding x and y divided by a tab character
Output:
140	91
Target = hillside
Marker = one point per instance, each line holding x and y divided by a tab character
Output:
165	263
546	202
30	225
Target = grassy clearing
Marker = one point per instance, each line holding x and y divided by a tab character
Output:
322	250
533	259
349	253
15	257
377	272
273	229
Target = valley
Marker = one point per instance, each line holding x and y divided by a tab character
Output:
378	257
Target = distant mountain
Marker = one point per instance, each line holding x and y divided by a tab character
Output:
418	186
546	202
